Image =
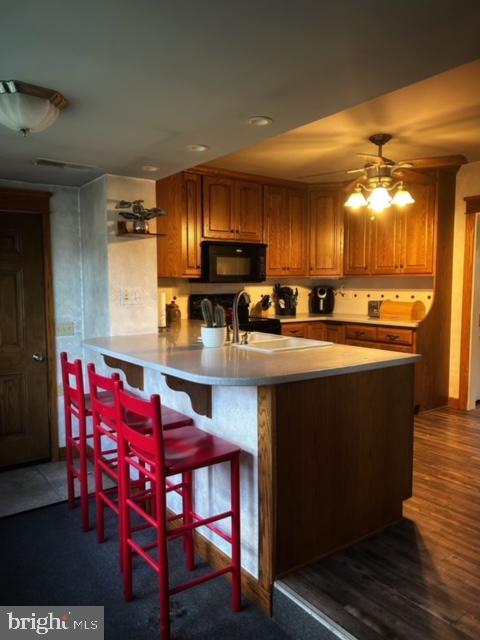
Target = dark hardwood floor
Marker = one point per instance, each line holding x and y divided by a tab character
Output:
419	579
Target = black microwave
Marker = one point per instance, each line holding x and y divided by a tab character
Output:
233	262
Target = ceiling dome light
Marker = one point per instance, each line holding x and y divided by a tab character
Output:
379	199
28	108
198	147
356	199
402	197
149	168
260	121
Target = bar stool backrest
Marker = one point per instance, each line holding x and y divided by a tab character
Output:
74	393
103	404
150	443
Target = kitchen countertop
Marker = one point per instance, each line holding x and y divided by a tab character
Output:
177	352
345	317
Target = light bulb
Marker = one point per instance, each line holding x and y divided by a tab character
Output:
402	197
379	199
356	199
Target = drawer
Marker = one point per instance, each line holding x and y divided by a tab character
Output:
295	329
394	347
362	343
394	335
360	332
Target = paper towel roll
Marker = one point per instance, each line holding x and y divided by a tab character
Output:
162	309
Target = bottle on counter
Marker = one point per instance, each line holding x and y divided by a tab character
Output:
174	315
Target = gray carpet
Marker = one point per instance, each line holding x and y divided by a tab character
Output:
47	560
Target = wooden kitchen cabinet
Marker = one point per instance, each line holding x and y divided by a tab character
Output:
178	250
286	231
398	241
232	209
295	329
326	233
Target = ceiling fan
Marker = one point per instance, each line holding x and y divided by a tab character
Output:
381	175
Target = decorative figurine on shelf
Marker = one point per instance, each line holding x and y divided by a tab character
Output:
139	214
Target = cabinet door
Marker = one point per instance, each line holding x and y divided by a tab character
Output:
218	208
357	242
326	234
295	329
297	264
192	224
385	243
248	211
334	332
418	229
276	230
316	330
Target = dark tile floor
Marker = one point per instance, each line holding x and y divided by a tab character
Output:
34	486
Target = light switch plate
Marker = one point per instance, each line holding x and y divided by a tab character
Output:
65	329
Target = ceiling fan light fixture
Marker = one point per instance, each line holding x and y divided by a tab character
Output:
28	108
379	199
402	197
356	200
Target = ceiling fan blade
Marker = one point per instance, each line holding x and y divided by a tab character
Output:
324	173
355	170
437	161
403	173
376	159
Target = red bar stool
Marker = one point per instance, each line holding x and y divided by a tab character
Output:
77	405
105	426
158	455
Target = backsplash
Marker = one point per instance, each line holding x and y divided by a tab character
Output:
352	294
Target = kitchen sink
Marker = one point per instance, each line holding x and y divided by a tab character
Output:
269	343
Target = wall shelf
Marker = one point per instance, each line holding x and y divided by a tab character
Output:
125	231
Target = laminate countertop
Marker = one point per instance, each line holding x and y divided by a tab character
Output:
178	353
346	317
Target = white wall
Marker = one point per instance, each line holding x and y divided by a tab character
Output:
468	184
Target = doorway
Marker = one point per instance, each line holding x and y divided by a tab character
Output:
27	421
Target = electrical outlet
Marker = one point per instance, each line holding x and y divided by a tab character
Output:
65	329
130	295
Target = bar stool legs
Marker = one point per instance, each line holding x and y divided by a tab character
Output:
235	505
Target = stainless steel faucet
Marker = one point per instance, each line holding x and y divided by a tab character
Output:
235	330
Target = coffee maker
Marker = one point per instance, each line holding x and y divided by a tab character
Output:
322	300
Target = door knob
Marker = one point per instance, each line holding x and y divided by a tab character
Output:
38	357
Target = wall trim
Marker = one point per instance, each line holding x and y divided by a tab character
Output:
454	403
472	207
38	202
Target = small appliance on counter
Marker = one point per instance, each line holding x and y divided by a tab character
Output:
247	323
286	300
322	300
374	307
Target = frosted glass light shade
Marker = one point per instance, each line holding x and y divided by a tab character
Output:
402	197
356	200
379	199
21	112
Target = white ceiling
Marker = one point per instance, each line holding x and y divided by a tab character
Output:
434	117
147	78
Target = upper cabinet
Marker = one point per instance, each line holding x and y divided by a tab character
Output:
232	209
395	242
178	251
286	231
326	233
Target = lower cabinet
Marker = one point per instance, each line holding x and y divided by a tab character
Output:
329	331
295	329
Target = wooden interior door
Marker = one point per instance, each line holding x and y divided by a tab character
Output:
24	409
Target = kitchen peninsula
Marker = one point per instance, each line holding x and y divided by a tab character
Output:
326	434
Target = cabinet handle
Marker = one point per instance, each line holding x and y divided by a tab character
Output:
401	266
365	267
358	334
237	231
396	266
393	336
232	230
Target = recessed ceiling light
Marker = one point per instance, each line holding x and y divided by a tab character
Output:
150	168
198	147
260	121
